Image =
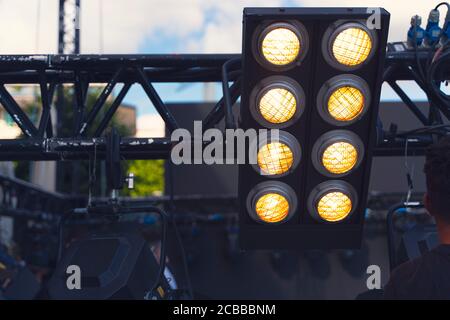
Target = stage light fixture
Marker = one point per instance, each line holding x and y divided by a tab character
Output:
332	201
271	202
277	105
337	153
348	45
339	157
277	102
278	157
343	99
334	206
272	207
316	74
275	158
345	103
281	44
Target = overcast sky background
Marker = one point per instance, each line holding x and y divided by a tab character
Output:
167	26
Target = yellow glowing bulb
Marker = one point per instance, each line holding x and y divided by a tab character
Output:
334	206
272	207
339	157
352	46
278	105
275	158
346	103
280	46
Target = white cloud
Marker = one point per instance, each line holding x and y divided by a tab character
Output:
401	11
195	25
223	34
18	21
150	125
126	24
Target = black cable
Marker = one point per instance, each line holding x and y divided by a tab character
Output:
229	117
61	222
163	255
416	52
177	232
427	129
435	85
441	4
436	96
391	230
419	64
429	80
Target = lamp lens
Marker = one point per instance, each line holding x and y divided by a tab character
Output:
272	207
352	46
280	46
334	206
275	158
340	157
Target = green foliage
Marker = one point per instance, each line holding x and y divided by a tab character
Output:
148	177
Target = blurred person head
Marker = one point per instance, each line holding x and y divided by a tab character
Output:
437	172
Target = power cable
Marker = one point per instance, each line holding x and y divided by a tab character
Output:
229	117
177	232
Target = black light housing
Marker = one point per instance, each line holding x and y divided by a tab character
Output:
268	54
336	92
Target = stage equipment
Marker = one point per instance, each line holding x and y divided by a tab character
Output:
112	265
315	74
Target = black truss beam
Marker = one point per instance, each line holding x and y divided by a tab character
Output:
156	100
21	198
107	90
16	113
112	109
82	70
78	149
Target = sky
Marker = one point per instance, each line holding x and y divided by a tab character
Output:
168	26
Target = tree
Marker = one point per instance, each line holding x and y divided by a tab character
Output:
148	177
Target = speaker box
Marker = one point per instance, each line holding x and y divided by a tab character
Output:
114	265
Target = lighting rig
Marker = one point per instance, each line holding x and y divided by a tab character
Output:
312	82
316	75
40	142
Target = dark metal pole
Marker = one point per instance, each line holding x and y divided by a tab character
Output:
99	103
61	27
45	117
16	113
112	109
156	100
77	27
409	103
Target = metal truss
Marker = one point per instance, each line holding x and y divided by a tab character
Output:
20	198
404	66
69	27
81	71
